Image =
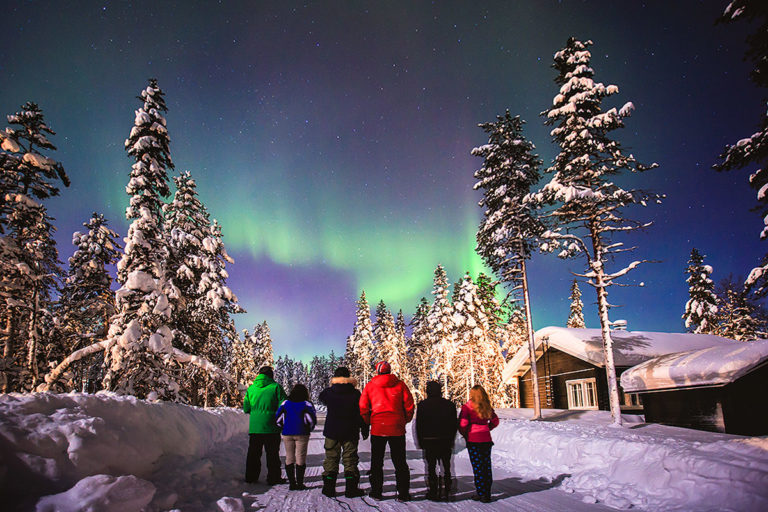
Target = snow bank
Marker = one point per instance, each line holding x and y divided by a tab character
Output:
652	467
52	441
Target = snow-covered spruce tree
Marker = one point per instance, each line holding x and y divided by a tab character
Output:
477	357
418	350
576	316
701	309
441	328
586	204
509	227
516	336
387	341
739	316
87	301
752	151
29	266
240	361
360	352
401	350
264	354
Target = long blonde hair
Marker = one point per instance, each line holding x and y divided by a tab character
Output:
480	400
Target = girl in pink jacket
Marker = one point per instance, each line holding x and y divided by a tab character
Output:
476	421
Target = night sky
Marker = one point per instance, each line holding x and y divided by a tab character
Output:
332	139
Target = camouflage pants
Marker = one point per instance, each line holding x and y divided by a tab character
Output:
344	450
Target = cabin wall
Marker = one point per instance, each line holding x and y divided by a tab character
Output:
691	408
745	404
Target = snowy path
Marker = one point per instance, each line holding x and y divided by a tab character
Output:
510	491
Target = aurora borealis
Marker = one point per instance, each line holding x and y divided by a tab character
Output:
331	139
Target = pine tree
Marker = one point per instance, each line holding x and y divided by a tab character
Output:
240	361
400	352
441	328
29	266
509	227
87	301
418	349
264	354
586	202
701	309
739	316
753	150
387	339
516	332
361	352
576	316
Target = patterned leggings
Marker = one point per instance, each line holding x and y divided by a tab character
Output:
480	457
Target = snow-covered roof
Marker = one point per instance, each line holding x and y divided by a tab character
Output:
629	347
713	366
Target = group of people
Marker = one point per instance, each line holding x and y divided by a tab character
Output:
382	410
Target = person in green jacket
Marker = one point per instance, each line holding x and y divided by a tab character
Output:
262	399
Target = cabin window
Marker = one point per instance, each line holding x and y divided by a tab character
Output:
582	393
632	400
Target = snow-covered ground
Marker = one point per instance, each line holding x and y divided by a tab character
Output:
103	452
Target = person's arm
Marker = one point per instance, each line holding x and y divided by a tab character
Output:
419	424
365	406
310	417
494	421
408	403
246	404
280	416
464	421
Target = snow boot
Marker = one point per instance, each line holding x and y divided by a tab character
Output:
351	480
329	484
445	489
433	488
290	471
300	477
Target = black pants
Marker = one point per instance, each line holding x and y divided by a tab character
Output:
437	450
271	445
397	452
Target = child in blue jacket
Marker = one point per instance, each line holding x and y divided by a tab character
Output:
296	418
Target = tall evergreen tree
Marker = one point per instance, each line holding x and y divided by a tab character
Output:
240	360
387	339
576	316
701	309
29	266
139	363
510	226
264	354
360	352
441	328
739	315
87	301
587	203
418	349
752	151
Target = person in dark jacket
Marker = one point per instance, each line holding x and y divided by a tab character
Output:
261	401
297	418
436	425
387	405
343	427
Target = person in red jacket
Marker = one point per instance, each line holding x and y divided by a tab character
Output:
387	405
476	420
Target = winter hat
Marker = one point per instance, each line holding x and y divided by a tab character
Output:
434	388
341	371
267	370
382	368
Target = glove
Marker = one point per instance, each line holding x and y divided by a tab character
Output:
364	431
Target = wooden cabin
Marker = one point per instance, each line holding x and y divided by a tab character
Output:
571	365
720	389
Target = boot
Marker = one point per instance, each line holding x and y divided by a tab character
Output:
351	480
290	471
433	488
329	484
445	491
300	477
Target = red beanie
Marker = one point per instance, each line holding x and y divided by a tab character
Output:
383	367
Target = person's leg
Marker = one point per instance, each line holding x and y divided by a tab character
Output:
402	471
290	460
302	443
253	459
430	459
487	471
272	447
474	458
351	473
376	478
331	466
444	454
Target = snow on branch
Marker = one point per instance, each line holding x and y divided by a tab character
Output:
54	375
183	357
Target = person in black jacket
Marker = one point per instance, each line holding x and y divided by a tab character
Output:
436	425
343	427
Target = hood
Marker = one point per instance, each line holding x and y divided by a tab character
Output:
344	380
434	389
386	380
262	381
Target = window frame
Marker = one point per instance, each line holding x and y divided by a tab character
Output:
578	390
